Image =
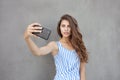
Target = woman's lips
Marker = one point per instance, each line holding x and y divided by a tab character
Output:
66	33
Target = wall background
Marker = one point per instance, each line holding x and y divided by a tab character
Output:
99	22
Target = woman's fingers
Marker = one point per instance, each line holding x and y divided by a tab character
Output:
35	31
39	27
35	24
34	27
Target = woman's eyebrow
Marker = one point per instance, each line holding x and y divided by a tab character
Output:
63	24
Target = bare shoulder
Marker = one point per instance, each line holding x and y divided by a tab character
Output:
53	44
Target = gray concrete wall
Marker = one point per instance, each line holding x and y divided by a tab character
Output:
99	22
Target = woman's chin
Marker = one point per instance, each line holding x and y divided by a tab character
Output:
66	36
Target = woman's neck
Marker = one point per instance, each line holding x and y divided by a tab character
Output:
65	40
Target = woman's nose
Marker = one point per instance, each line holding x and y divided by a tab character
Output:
66	28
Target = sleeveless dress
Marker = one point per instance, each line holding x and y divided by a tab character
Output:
67	64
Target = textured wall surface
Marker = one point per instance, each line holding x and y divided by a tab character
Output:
99	22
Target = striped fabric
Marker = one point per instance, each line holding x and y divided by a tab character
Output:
67	64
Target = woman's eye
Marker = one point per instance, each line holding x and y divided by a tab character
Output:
68	25
63	25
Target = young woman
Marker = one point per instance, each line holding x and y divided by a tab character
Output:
69	53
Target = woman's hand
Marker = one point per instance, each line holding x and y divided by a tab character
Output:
31	29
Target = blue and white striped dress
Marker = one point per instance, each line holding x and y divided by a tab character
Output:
67	64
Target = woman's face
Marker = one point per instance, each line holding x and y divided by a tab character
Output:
65	28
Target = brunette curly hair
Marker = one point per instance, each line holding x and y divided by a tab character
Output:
75	38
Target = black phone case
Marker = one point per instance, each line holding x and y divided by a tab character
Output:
44	34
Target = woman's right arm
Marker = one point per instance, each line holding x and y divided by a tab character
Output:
32	46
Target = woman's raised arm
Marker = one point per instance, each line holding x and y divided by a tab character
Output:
32	46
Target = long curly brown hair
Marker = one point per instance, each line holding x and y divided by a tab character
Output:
75	38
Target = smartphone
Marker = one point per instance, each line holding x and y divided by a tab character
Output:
44	34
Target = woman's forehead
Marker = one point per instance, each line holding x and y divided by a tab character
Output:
65	22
